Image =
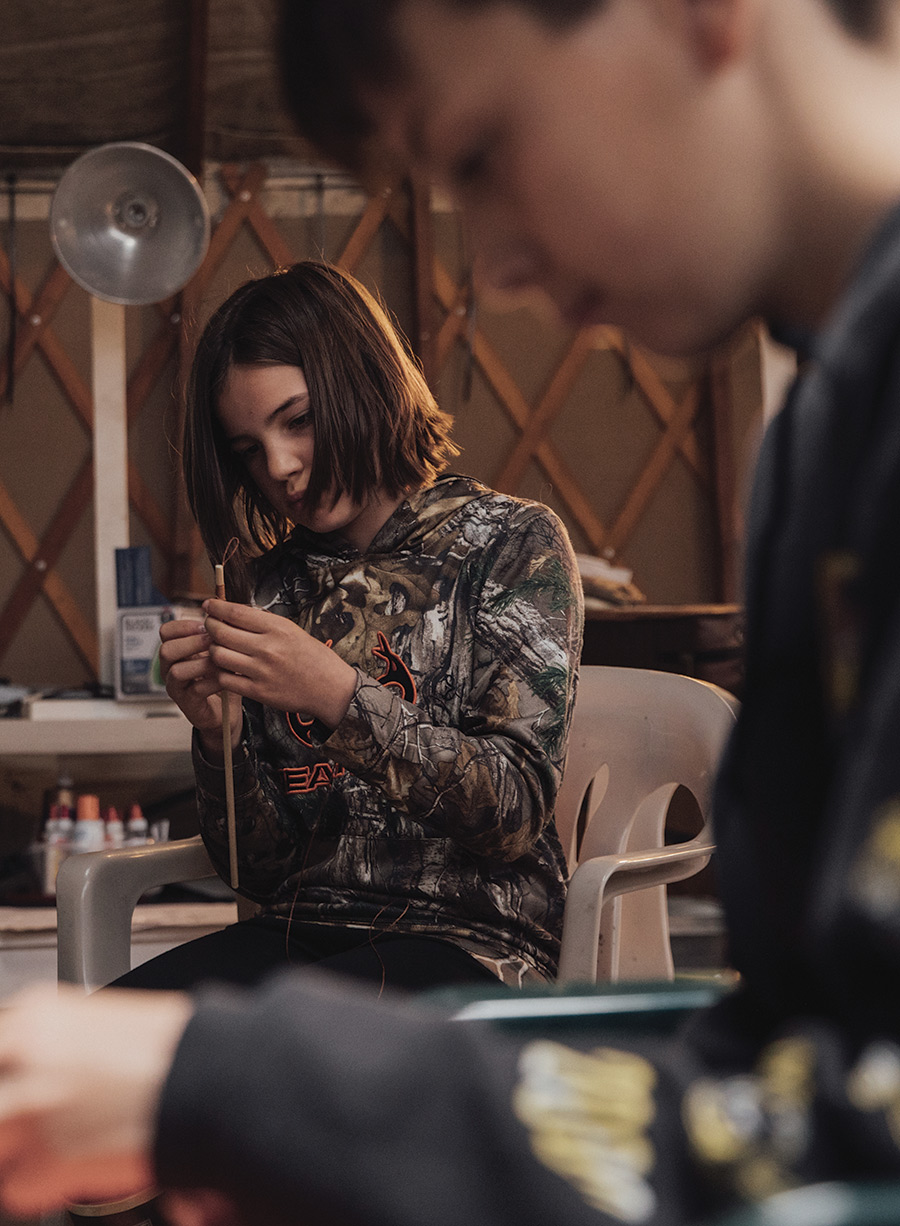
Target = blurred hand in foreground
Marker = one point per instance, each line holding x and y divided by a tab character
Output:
80	1080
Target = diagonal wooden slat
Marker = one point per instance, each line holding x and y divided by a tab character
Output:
677	420
42	556
514	403
61	600
245	190
564	485
35	331
256	217
656	394
366	229
36	312
653	472
548	409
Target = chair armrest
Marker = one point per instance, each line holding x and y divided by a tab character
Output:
601	879
96	893
638	870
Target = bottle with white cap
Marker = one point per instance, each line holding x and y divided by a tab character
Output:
115	828
89	833
56	845
137	832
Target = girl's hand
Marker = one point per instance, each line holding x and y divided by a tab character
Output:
268	658
192	682
80	1080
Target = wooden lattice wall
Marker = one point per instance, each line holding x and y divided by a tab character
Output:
639	456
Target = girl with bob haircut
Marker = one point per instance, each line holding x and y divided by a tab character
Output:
382	428
403	646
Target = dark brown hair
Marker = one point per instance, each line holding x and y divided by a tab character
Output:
376	425
332	51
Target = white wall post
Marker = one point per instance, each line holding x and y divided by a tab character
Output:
110	468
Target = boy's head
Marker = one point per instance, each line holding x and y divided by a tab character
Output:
648	163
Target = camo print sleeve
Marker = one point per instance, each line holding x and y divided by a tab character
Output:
486	770
429	808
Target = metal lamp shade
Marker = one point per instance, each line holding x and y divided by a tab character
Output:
129	223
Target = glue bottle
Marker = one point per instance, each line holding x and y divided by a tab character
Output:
115	828
65	794
137	832
89	833
56	845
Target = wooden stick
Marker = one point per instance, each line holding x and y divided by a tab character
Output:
226	748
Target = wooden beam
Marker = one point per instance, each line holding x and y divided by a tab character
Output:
719	396
193	146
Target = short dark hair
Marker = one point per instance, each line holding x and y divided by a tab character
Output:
331	51
376	425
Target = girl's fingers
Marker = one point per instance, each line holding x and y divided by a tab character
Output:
221	634
181	628
242	616
190	670
183	649
233	662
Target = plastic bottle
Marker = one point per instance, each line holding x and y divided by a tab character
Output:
56	846
136	830
115	828
89	833
65	793
65	826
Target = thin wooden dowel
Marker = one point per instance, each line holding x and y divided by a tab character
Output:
226	749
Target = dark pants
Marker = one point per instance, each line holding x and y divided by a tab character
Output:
247	952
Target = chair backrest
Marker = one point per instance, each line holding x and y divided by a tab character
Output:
636	734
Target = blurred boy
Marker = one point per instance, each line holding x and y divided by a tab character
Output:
672	166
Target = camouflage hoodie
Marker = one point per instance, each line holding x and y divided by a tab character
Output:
429	808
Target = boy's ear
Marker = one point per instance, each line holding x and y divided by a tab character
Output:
717	29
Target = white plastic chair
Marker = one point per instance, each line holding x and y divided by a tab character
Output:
636	736
96	894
